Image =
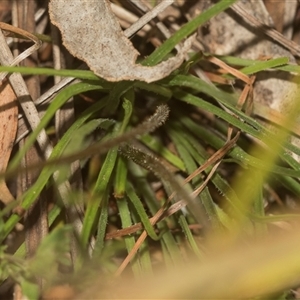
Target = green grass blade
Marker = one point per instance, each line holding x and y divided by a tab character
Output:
80	74
145	259
259	133
200	156
138	205
185	31
78	140
58	101
264	65
181	146
101	229
98	194
154	88
120	178
142	185
103	178
129	240
33	192
159	148
236	61
185	227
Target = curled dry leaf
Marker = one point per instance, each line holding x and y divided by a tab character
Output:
91	32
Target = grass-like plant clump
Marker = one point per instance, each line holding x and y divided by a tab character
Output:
180	188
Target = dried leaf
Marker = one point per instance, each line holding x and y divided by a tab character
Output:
8	124
91	32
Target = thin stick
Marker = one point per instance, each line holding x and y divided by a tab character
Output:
148	17
21	92
27	52
272	33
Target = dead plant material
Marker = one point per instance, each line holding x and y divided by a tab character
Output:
8	124
102	43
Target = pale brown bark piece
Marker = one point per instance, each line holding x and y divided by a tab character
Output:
8	129
92	33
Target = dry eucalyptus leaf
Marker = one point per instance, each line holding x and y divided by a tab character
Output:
8	124
91	32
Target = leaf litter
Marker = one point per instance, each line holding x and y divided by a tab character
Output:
92	33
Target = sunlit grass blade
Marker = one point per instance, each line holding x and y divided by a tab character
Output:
259	66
